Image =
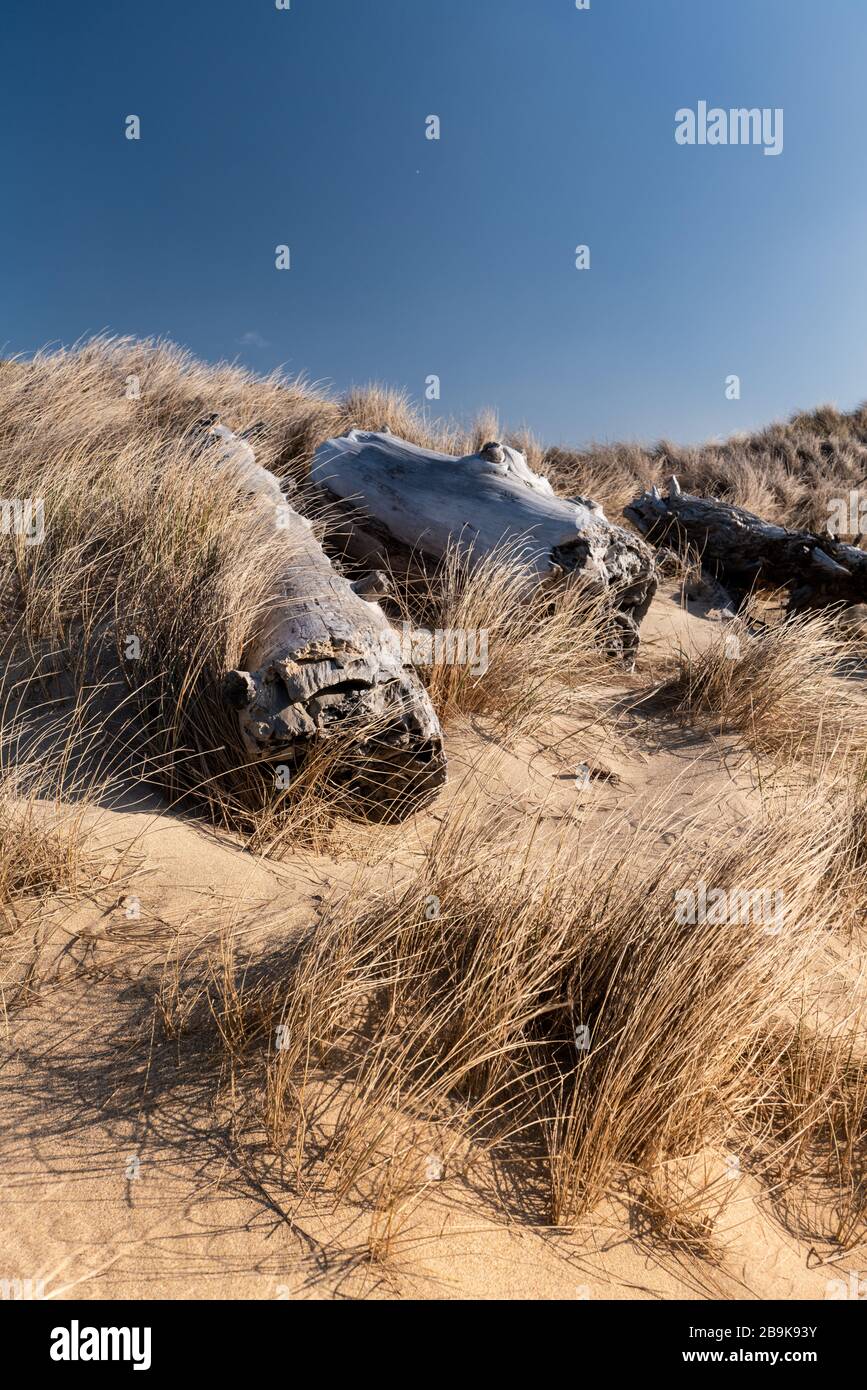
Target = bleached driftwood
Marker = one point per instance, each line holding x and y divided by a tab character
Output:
742	549
326	662
403	506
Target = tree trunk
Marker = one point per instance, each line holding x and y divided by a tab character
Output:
742	549
327	664
402	506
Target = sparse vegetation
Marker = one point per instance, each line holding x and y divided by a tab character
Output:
499	995
786	473
529	655
782	687
463	999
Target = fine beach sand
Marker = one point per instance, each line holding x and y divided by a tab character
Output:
150	1147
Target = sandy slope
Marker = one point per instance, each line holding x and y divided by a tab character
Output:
80	1101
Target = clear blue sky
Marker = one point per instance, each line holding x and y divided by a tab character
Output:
455	257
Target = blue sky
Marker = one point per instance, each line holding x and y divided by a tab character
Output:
455	257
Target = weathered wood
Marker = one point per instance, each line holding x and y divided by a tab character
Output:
403	506
743	550
326	663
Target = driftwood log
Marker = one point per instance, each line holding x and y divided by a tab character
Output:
325	663
742	550
403	506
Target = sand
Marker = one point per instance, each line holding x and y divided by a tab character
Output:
117	1180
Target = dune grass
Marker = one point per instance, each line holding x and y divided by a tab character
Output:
154	572
782	687
526	654
561	1020
787	472
548	1012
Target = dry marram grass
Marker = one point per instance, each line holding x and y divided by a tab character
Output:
448	1014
